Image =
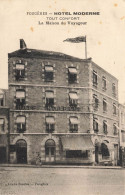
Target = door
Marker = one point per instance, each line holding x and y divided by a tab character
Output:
21	152
50	150
96	153
2	154
116	153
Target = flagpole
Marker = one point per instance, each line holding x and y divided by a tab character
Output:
85	47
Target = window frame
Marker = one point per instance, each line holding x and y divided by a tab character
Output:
95	78
104	105
73	128
72	78
104	83
20	102
21	127
19	73
48	75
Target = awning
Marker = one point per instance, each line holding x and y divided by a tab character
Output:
48	68
49	94
50	120
20	119
74	120
73	95
1	121
72	70
20	94
77	143
19	66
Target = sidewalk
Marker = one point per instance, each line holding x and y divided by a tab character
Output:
61	166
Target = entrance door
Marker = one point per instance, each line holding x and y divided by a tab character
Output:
2	154
116	153
50	150
21	151
96	153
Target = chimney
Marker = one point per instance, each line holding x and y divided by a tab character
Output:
22	44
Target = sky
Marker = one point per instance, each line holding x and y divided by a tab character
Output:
105	32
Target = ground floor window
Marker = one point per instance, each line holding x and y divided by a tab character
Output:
104	151
76	154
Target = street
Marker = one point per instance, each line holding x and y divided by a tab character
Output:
59	181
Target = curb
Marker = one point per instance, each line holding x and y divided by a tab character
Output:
65	166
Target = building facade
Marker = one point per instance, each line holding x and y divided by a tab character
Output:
4	128
62	109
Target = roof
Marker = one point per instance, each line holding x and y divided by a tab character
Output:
34	53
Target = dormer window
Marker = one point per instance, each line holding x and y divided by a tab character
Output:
20	98
20	71
48	73
73	99
72	75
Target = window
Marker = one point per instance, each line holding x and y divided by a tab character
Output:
103	83
2	124
73	99
95	78
115	129
20	98
50	124
72	75
73	124
105	127
114	89
20	71
104	105
1	99
114	108
123	136
49	98
95	125
96	102
48	73
104	151
76	154
21	124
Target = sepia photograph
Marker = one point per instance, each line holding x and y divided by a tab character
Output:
62	97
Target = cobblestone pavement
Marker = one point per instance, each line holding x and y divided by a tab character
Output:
59	181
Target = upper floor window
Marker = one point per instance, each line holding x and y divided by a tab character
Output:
2	124
48	73
20	98
73	99
1	99
95	125
96	102
114	108
50	124
115	130
73	124
21	124
72	75
114	89
95	78
104	105
103	83
123	136
105	127
49	101
20	71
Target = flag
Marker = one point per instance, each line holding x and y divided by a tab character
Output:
76	40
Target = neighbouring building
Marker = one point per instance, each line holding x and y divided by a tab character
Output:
62	109
122	133
4	128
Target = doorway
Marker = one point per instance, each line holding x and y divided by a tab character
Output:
50	150
2	154
21	151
